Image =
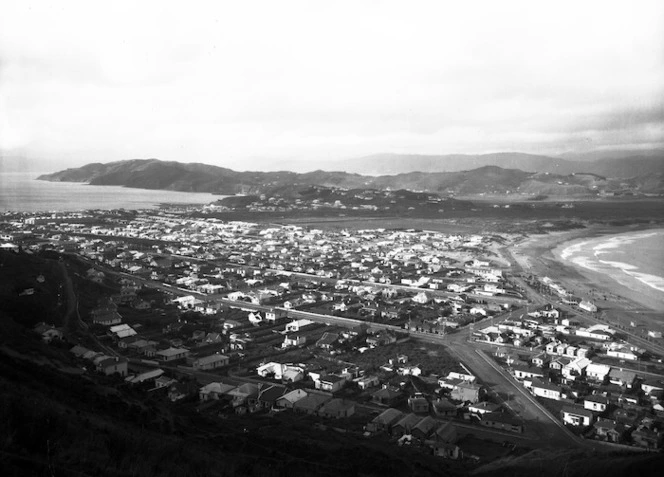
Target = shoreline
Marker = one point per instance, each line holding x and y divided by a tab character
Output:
540	254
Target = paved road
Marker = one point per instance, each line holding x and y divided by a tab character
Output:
510	392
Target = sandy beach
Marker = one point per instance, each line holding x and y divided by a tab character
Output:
540	255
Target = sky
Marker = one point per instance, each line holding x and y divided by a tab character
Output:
266	84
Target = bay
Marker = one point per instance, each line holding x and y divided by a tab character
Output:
21	192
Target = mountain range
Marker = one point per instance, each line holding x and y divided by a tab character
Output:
546	176
615	164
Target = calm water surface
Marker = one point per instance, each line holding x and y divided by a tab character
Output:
20	191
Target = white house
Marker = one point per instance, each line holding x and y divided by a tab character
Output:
595	402
598	372
577	416
588	306
546	390
295	325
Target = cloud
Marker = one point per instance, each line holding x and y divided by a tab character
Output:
223	82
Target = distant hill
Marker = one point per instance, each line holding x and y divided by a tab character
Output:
613	154
403	163
485	180
616	165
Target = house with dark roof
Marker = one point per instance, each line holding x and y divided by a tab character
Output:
444	408
425	428
577	416
311	403
502	420
244	394
622	377
546	390
327	341
337	408
647	437
384	421
445	433
595	402
418	404
268	395
388	396
111	366
608	430
405	425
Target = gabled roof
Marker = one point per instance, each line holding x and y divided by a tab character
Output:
426	425
294	396
542	385
501	417
597	398
271	393
577	411
336	405
387	393
388	416
408	421
312	401
627	376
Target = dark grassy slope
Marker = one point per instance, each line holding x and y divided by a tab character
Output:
55	424
21	272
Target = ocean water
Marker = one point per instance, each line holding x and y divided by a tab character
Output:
633	259
21	192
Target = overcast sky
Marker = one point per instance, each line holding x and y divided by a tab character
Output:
251	85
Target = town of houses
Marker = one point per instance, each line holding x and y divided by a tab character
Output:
274	319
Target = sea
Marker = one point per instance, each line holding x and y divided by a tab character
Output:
22	192
633	259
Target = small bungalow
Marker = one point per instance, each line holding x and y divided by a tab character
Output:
524	372
111	366
423	429
446	451
327	341
387	396
331	383
483	407
418	404
597	372
172	354
405	425
288	400
269	395
337	408
595	402
467	392
311	403
622	377
210	362
384	421
608	430
502	420
244	394
444	408
546	390
577	416
214	391
366	382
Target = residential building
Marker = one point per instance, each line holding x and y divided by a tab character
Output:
577	416
546	390
337	409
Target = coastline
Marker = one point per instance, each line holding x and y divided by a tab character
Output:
541	255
